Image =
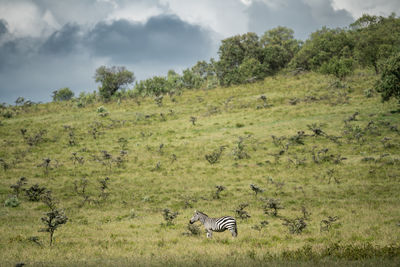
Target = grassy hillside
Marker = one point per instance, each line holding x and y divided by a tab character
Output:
333	172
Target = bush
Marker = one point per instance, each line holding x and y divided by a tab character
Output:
63	94
12	202
389	83
340	67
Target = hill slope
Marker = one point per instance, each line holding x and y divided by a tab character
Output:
321	150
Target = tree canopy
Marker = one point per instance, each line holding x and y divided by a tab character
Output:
112	79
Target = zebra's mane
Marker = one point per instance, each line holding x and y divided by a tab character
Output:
202	213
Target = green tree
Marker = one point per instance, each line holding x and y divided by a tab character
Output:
340	67
376	38
191	80
156	85
278	48
174	81
62	94
389	83
251	69
321	47
232	52
112	79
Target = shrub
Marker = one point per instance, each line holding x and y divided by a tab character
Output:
274	205
295	226
241	213
220	188
389	83
339	67
17	187
12	202
35	192
256	189
63	94
214	157
169	216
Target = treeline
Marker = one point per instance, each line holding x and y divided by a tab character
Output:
367	43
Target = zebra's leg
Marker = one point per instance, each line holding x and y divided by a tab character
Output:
234	231
209	234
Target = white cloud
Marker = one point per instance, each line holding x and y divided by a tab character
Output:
373	7
26	19
226	17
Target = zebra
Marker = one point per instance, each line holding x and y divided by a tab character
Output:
215	224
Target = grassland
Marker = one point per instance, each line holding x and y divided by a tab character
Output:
349	171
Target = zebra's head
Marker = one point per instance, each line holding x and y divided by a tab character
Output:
196	216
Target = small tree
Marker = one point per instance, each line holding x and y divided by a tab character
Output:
62	94
54	218
112	79
389	83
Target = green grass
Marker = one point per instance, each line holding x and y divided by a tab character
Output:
362	190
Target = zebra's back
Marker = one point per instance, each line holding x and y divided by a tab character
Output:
224	223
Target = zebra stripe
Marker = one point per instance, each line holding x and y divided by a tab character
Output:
215	224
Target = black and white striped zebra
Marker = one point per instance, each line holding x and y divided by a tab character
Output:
215	224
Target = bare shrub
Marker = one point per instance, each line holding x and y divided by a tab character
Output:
239	151
272	206
214	156
80	189
256	189
241	213
220	188
295	226
35	192
169	216
260	226
326	224
18	186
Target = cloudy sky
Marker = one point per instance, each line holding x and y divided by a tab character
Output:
46	44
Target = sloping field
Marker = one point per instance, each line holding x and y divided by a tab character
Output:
323	153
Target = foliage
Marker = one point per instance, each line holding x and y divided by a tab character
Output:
157	85
63	94
232	52
321	47
376	38
112	79
389	82
340	67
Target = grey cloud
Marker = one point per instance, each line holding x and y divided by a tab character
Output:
3	27
33	67
303	18
161	38
63	41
